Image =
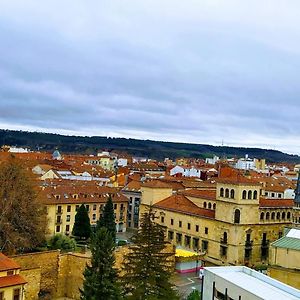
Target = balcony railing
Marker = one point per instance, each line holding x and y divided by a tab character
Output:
223	241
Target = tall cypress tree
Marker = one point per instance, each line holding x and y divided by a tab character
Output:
147	267
82	226
108	218
100	278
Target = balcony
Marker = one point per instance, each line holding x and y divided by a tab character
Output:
248	244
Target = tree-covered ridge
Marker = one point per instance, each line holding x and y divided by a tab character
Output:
147	148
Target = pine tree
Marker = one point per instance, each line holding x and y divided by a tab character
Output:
108	218
100	278
82	227
23	218
147	267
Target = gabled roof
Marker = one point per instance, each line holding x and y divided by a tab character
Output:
181	204
12	280
290	241
133	185
7	264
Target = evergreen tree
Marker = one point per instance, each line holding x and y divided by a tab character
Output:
82	227
100	278
108	218
23	218
148	266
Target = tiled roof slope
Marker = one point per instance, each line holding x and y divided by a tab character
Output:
181	204
203	194
11	280
7	264
276	202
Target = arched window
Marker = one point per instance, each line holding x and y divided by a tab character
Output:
209	205
244	195
237	216
232	194
204	204
283	215
227	193
278	216
273	215
288	215
255	195
262	216
249	194
267	216
214	206
221	192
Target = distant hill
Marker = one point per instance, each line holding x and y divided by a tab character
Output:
146	148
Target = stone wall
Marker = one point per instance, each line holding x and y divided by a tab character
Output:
33	286
287	276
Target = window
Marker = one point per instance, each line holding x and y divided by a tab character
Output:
227	193
68	218
279	195
214	206
115	206
67	228
209	205
77	207
206	230
273	195
10	272
58	228
189	226
180	223
262	215
249	194
94	217
162	219
255	195
170	235
232	194
17	294
94	207
204	245
267	216
87	207
283	215
221	192
69	208
244	196
197	228
204	204
278	216
1	295
288	215
58	219
237	216
172	221
59	210
280	234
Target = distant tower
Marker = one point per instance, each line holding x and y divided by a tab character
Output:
296	214
56	155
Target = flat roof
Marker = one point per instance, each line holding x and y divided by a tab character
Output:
255	283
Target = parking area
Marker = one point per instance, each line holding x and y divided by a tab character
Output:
186	283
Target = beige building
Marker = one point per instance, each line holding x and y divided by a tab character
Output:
232	224
11	282
63	201
285	258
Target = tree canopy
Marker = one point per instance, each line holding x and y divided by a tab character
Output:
107	219
148	265
100	277
82	226
23	219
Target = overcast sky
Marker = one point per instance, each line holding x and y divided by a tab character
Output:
190	71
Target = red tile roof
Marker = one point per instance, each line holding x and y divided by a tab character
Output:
288	203
11	280
157	184
7	264
238	180
181	204
203	194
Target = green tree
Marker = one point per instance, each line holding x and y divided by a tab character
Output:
194	295
108	218
82	226
100	278
148	265
62	242
23	217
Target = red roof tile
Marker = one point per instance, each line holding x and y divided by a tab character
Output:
181	204
276	202
157	184
7	263
203	194
11	280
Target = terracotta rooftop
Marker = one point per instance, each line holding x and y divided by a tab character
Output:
203	194
11	280
7	263
181	204
133	185
238	180
157	184
276	202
